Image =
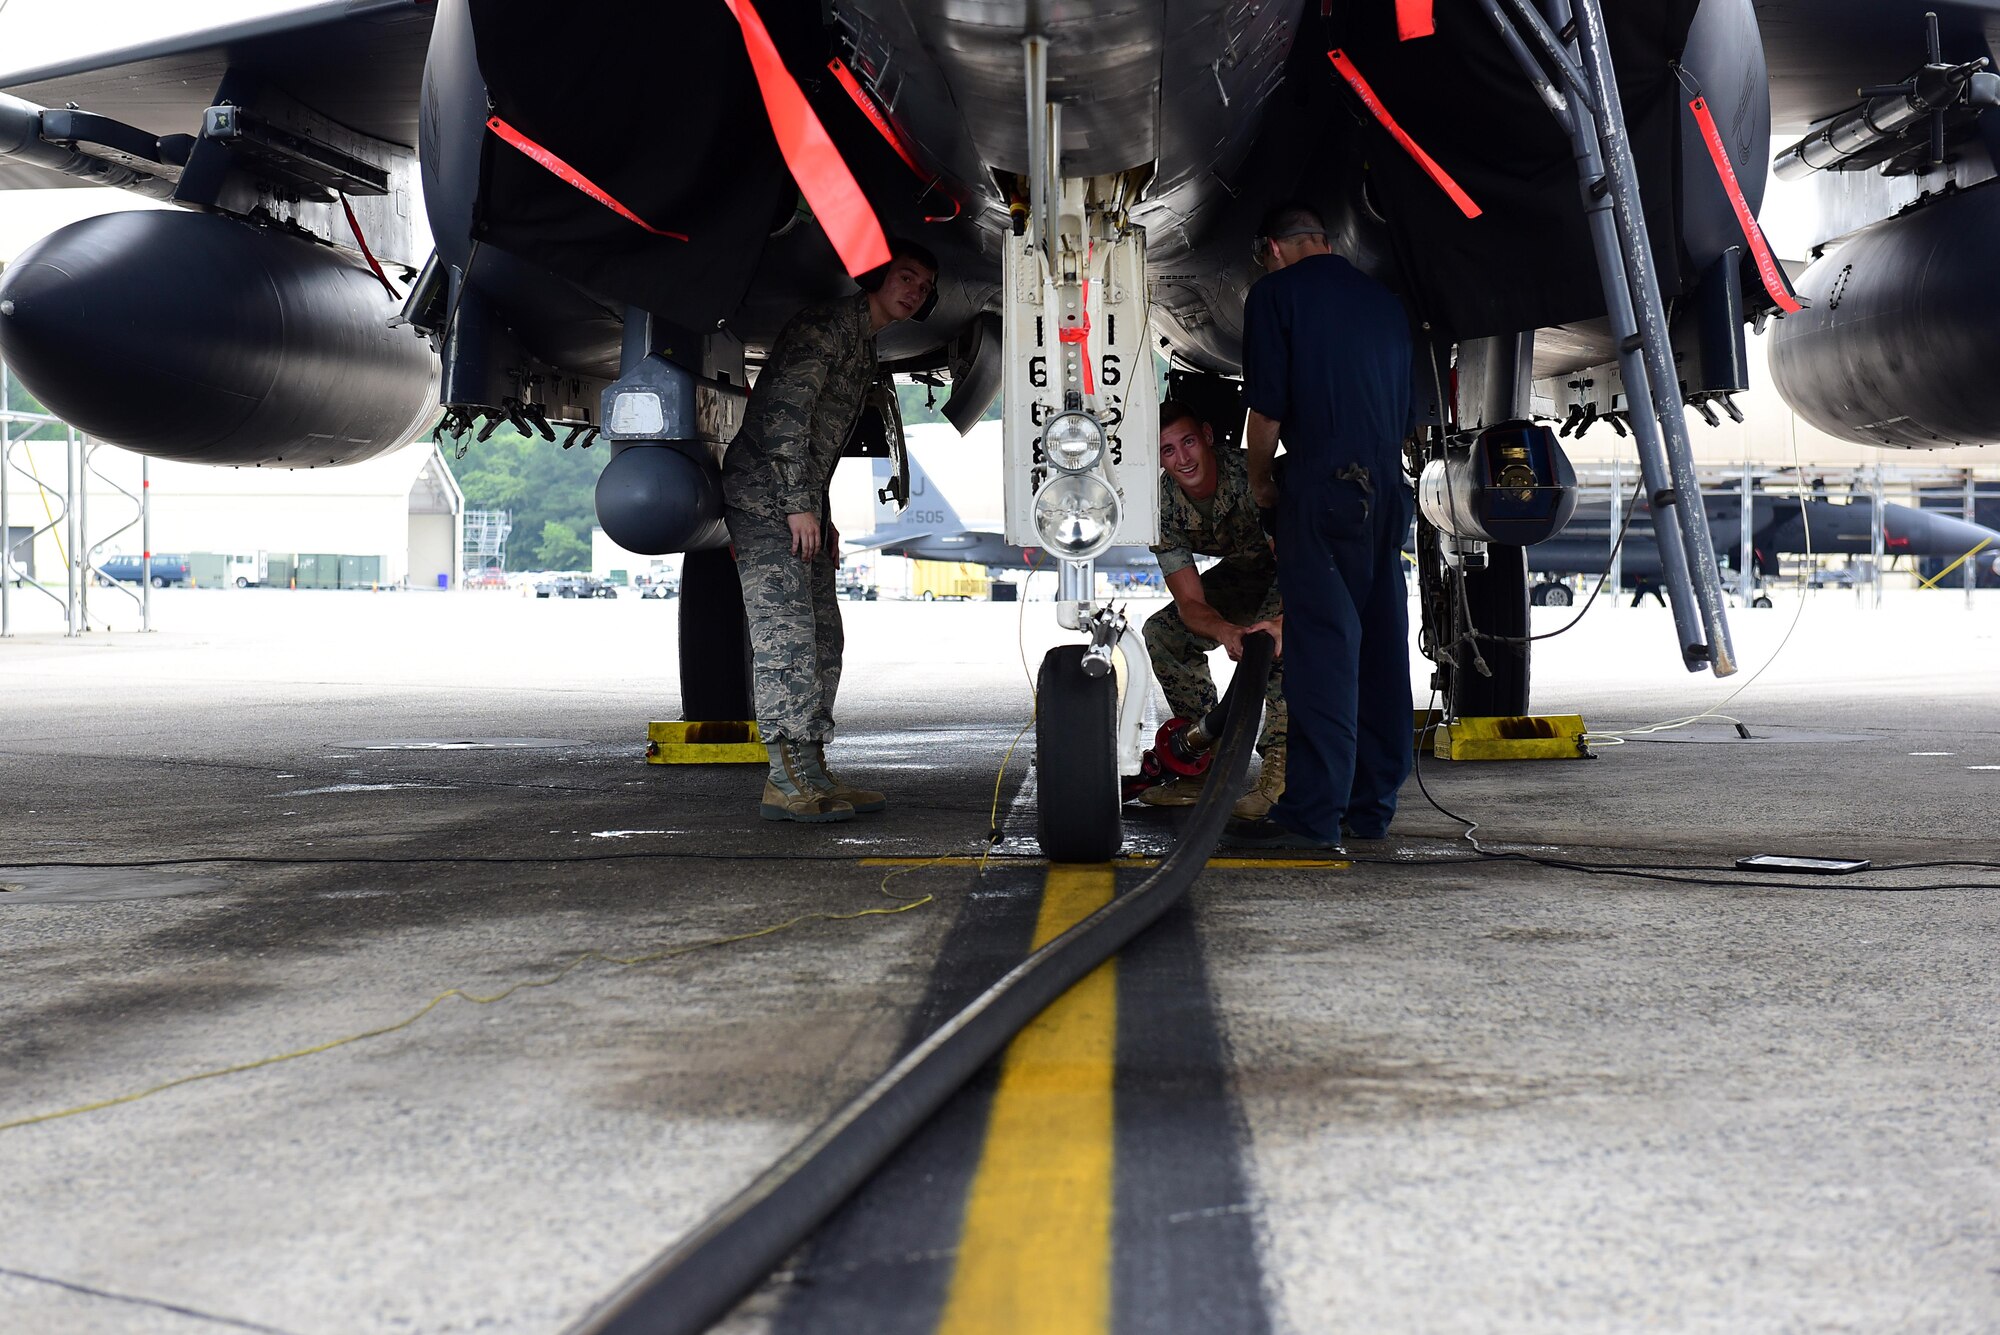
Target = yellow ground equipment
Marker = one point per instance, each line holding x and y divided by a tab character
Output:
930	580
1527	737
704	744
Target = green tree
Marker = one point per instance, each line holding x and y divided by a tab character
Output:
19	400
541	484
560	548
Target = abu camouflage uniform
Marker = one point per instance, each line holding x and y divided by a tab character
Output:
801	412
1242	587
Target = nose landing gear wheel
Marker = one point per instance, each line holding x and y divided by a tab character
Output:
1076	760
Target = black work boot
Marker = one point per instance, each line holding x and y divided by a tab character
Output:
1267	833
790	792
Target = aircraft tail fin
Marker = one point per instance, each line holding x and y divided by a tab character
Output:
928	512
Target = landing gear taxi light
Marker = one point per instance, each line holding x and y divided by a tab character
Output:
1074	442
1076	515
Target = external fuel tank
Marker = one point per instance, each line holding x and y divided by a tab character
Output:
1900	340
198	337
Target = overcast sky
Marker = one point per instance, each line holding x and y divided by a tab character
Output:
34	33
37	33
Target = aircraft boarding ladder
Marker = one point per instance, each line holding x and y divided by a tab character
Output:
1571	40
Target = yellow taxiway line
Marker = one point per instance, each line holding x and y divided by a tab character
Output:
1015	860
1034	1256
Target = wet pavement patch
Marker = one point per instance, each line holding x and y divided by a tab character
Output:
97	885
1553	935
458	744
356	788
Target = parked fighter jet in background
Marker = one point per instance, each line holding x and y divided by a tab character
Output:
1780	526
929	529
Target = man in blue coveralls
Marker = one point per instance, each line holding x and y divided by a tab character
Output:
1327	359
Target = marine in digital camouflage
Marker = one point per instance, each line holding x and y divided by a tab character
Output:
1242	587
800	414
1230	530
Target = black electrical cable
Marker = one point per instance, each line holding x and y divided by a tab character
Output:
701	1277
369	860
1603	577
1634	872
1571	865
1665	871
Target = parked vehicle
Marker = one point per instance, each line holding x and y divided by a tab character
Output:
218	570
575	586
245	571
168	568
665	587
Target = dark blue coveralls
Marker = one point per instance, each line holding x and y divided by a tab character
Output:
1327	354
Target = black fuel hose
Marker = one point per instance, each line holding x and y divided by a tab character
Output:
695	1283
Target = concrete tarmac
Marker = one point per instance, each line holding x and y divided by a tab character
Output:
1422	1093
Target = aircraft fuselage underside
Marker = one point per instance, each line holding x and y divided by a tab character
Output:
617	246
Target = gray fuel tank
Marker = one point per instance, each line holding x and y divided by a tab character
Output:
197	337
1900	342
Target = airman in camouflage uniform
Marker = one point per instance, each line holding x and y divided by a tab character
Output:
1206	509
775	477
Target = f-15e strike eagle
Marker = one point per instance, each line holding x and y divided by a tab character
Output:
629	198
1779	525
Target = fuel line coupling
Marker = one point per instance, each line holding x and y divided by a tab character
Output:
1184	749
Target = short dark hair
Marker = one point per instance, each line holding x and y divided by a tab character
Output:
902	248
1293	217
1173	410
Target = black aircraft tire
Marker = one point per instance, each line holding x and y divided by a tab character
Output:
1760	601
714	640
1076	760
1497	601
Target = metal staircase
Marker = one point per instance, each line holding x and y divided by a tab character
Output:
484	554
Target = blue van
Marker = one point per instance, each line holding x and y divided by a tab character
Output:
168	568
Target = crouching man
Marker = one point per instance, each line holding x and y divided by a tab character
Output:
1206	509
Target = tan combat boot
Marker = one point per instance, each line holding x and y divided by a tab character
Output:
1257	803
1183	792
790	792
861	799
